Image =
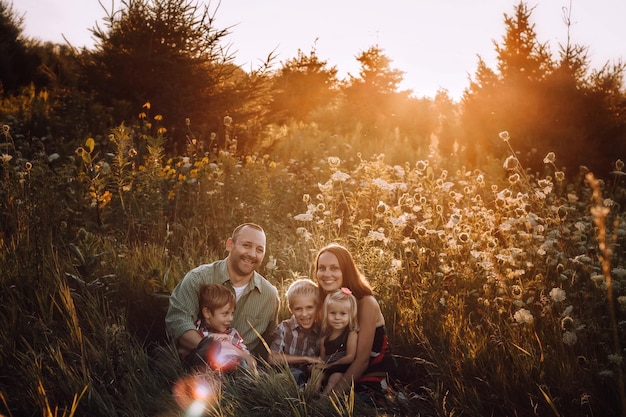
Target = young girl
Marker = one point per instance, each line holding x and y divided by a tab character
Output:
339	335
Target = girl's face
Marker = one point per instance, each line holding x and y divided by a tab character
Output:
338	316
220	320
329	275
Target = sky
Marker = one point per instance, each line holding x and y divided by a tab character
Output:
436	43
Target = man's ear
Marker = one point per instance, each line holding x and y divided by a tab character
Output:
229	244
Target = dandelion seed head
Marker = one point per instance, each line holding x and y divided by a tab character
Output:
570	338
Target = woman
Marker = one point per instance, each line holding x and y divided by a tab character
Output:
373	365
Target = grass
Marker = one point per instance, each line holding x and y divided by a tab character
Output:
503	290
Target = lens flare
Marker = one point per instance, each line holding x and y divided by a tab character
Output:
196	392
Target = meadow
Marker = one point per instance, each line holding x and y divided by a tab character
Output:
504	290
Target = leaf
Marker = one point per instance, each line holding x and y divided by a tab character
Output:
90	144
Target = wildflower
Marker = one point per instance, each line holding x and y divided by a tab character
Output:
514	178
570	338
616	359
567	311
504	135
550	158
306	198
420	231
567	323
557	294
333	161
377	235
523	316
339	176
619	165
559	176
619	272
516	292
421	165
598	280
396	265
271	264
464	237
228	121
187	121
326	187
158	117
303	217
511	163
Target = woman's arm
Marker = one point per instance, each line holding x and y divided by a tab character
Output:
370	317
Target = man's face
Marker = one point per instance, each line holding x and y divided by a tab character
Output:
246	251
304	309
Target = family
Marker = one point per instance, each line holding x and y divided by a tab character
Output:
222	316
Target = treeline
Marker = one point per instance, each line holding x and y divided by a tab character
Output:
173	55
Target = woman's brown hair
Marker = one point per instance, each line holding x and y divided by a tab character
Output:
352	277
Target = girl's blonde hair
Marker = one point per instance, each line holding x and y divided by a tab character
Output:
342	295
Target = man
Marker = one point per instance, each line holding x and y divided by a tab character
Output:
257	299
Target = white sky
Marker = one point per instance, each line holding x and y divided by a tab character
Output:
435	42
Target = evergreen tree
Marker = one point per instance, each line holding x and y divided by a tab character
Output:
545	105
17	62
168	53
302	85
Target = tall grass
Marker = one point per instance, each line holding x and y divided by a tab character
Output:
503	290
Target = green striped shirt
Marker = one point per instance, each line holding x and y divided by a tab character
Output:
257	309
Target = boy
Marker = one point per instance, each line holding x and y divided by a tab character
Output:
217	309
295	340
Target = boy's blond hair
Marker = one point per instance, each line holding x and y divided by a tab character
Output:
302	287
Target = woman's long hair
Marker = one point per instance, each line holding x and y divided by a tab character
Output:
352	277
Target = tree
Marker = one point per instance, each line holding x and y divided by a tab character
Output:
168	53
17	63
369	98
303	84
545	105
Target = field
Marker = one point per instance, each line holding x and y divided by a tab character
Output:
504	290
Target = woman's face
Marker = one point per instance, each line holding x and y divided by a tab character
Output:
329	275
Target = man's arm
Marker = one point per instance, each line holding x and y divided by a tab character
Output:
182	312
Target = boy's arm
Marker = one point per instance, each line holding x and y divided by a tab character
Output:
277	356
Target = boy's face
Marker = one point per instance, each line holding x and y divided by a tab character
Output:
304	309
219	321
